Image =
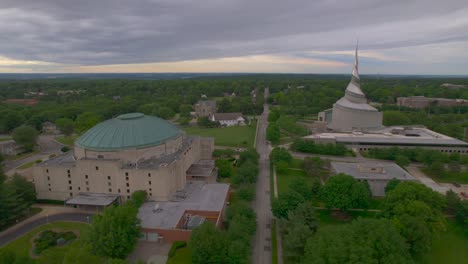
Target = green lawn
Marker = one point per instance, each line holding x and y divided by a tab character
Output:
5	138
27	165
284	179
234	136
450	247
182	256
69	141
448	177
22	245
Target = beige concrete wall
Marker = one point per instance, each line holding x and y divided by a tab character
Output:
108	176
348	119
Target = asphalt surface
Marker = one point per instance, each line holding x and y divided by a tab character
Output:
262	241
7	237
47	146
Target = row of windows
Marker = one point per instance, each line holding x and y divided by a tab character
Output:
442	150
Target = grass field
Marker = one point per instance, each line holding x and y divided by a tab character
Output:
450	247
22	246
448	177
234	136
5	138
69	141
182	256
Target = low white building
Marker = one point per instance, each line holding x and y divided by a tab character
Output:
229	119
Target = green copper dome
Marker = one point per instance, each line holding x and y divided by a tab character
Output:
133	130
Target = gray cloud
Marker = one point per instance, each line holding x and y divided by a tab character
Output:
122	31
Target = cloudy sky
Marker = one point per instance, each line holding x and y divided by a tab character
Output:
303	36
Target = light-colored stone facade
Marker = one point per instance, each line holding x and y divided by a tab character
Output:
159	170
205	108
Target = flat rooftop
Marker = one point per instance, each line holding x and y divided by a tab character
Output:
392	135
196	196
96	199
203	168
372	171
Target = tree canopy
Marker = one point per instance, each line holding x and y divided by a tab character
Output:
344	192
26	136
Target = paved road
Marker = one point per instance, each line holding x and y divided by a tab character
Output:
262	243
47	146
7	237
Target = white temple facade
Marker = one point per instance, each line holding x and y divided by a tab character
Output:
352	111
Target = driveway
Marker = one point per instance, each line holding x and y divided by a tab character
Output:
416	172
47	146
15	232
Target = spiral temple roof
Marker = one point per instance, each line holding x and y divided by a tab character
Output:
354	97
127	131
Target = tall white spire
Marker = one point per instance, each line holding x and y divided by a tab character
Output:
354	86
356	62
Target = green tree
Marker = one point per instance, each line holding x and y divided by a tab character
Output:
313	166
224	168
391	118
208	245
416	211
24	188
85	121
280	154
26	136
392	184
299	226
402	161
65	125
281	167
273	133
286	202
344	192
246	173
362	241
453	202
301	186
114	233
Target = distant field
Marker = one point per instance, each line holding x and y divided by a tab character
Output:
234	136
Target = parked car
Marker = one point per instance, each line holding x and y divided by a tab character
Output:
456	184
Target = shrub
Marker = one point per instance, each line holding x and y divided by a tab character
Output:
38	161
246	192
65	149
175	246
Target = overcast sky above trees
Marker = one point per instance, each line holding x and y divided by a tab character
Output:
398	36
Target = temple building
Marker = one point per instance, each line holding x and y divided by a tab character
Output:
119	156
358	125
352	111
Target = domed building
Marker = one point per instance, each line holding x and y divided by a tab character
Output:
119	156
